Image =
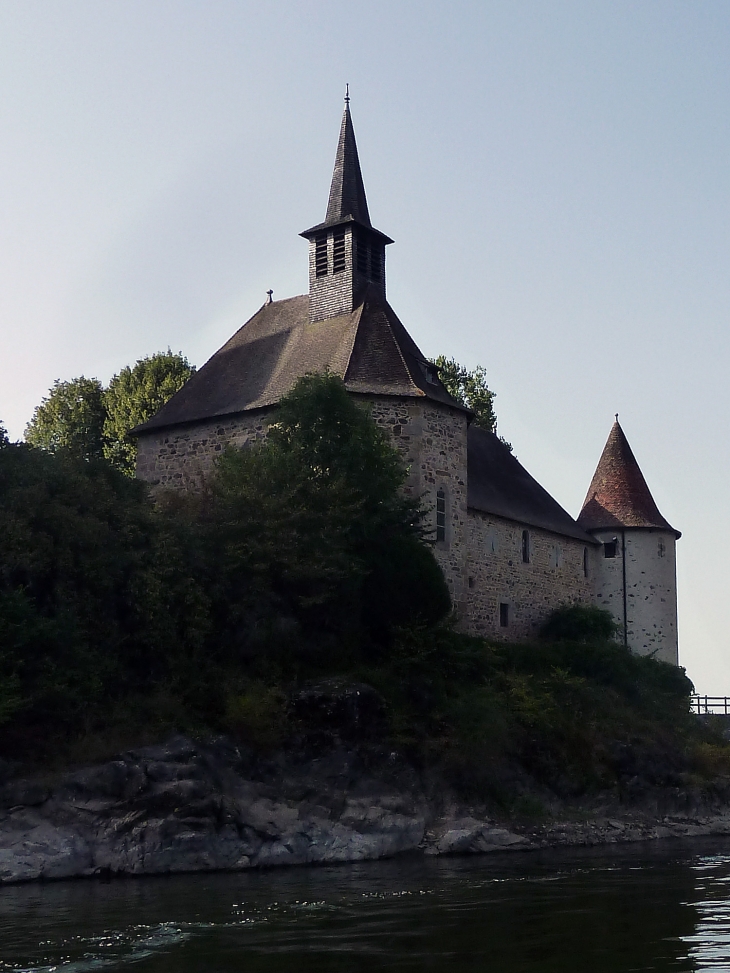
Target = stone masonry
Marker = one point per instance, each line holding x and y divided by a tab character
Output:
560	571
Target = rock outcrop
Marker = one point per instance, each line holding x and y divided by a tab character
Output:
185	807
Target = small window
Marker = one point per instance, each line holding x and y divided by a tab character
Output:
585	562
320	256
471	581
661	549
338	253
362	256
610	548
503	614
376	263
525	547
441	515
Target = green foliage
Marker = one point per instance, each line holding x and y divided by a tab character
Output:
133	396
87	421
4	441
91	600
70	418
470	389
579	623
258	715
568	717
309	532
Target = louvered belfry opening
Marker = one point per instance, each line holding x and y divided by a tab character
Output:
346	253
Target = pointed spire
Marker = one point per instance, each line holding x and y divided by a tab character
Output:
618	495
347	193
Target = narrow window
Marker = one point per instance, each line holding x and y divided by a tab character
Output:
320	255
338	253
610	548
525	546
503	614
362	256
376	263
661	548
585	562
471	581
441	515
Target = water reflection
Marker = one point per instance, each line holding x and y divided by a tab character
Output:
658	907
709	944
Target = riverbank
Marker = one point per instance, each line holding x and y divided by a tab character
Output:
186	807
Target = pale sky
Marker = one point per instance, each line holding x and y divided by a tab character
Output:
555	174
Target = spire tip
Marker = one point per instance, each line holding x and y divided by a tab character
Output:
347	95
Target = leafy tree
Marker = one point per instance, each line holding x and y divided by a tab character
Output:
134	395
70	418
89	586
312	525
471	390
4	441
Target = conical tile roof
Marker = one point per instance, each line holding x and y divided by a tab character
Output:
618	495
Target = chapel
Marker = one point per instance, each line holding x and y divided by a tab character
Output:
509	552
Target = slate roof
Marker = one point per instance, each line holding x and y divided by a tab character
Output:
498	484
368	348
347	201
618	495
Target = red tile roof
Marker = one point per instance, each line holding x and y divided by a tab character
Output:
618	495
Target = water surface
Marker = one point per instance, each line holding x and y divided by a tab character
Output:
660	906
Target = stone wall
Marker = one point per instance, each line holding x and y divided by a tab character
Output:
481	555
651	589
497	576
183	455
432	440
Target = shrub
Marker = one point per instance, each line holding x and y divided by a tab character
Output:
579	623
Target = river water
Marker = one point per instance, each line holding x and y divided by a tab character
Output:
658	906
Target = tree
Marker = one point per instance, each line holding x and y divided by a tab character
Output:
96	599
4	441
312	525
134	395
471	390
70	418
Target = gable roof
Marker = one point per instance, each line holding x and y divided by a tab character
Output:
368	348
618	495
498	484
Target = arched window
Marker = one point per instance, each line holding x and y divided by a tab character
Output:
441	515
525	547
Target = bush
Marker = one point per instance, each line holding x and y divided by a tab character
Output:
579	623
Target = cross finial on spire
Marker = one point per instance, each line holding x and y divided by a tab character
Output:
347	94
616	415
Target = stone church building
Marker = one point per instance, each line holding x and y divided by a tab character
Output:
510	553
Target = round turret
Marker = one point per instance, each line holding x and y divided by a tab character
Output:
634	570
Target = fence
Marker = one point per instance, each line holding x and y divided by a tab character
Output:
718	705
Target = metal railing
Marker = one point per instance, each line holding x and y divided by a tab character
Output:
717	705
